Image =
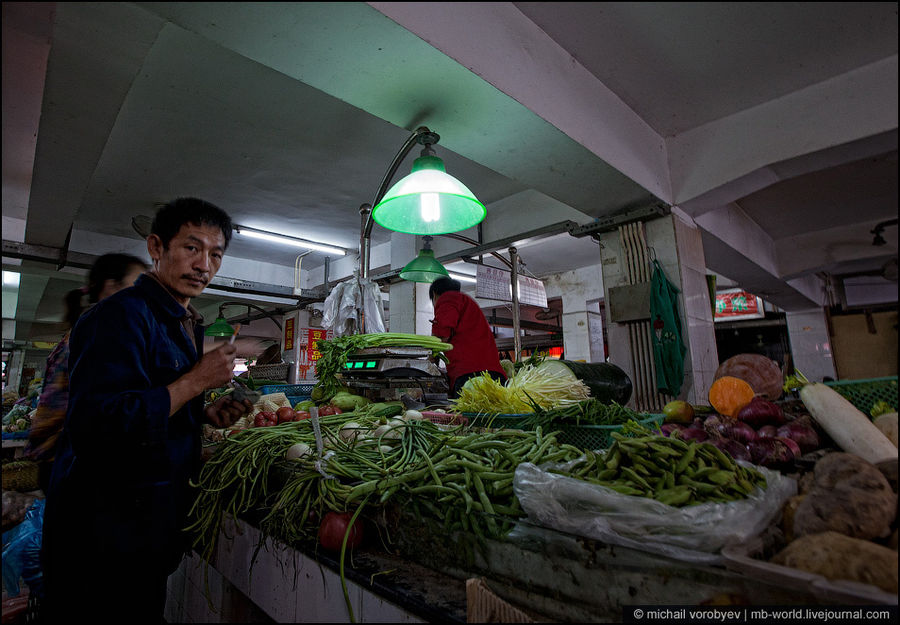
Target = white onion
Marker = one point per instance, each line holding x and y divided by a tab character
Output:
297	451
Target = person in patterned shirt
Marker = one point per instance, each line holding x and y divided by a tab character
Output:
110	273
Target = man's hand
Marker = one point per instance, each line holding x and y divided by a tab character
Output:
215	368
223	412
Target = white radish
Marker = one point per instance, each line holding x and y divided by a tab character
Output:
847	426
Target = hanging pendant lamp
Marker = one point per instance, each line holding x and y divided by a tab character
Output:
220	327
424	267
428	201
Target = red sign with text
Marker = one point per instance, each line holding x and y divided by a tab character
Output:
312	345
289	334
738	304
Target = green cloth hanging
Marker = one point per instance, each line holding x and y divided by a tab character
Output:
668	348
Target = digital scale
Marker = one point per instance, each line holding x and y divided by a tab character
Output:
387	369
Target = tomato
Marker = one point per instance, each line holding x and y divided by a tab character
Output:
285	413
300	415
326	410
336	410
265	418
334	526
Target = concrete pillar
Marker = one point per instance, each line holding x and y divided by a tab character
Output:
402	317
811	344
582	327
676	243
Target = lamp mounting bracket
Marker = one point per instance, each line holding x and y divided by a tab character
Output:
427	137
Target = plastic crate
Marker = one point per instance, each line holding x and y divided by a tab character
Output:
864	393
291	390
498	421
597	436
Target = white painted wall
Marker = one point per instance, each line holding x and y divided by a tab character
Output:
810	344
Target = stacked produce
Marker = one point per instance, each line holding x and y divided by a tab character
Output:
671	470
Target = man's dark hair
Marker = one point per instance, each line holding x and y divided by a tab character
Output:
442	285
171	216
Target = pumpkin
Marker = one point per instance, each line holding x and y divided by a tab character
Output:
728	395
761	373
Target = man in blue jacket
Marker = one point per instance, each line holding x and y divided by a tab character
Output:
119	493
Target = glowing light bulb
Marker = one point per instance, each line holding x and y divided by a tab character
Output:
431	207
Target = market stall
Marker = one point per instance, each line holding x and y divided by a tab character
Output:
733	502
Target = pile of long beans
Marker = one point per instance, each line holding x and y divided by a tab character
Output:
464	482
673	471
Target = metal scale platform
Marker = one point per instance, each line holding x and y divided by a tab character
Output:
387	371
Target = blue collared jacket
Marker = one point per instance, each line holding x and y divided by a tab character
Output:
120	480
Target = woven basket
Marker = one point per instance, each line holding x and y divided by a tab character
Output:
20	475
269	372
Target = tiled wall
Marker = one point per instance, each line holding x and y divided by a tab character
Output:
286	587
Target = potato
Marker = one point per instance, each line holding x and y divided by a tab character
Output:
888	469
848	495
887	423
835	556
787	516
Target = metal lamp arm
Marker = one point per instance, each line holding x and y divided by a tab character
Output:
262	310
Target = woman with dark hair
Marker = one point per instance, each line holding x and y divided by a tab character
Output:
111	273
458	320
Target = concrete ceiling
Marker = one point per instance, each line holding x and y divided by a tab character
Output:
773	119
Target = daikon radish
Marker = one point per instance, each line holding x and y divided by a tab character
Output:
847	426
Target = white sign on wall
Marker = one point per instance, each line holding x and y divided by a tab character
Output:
494	283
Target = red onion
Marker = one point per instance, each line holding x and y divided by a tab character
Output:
668	428
743	433
792	445
760	412
732	448
719	425
767	431
805	436
726	427
693	434
771	452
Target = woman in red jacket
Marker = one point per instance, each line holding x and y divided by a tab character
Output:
459	321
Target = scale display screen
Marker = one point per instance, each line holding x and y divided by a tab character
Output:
360	364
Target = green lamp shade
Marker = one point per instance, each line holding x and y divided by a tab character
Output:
219	327
428	201
423	268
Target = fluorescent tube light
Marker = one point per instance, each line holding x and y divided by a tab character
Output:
10	278
286	240
462	277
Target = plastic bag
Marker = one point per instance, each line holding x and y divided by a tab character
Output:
692	533
332	305
22	552
373	307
